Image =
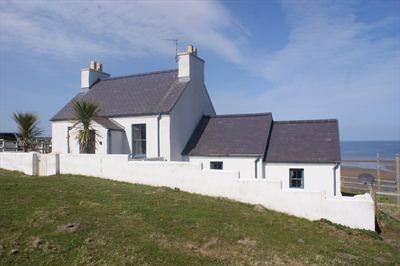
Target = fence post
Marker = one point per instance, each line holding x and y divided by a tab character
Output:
398	179
378	172
372	192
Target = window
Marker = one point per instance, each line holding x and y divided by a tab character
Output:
139	140
216	165
296	178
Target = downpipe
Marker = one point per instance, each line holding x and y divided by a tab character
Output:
334	178
255	167
158	134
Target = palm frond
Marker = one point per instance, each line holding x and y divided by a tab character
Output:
84	114
28	128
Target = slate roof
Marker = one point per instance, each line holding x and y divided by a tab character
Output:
108	124
140	94
230	135
304	141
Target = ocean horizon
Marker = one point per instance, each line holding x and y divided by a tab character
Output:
368	150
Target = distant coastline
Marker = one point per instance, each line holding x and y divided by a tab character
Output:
367	150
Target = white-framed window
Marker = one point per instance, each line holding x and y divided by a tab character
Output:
296	178
138	140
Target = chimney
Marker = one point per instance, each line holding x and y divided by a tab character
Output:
90	75
190	66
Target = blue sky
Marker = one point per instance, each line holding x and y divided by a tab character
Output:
297	59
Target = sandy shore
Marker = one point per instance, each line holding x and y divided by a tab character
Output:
355	172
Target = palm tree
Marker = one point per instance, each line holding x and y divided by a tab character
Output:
28	128
84	114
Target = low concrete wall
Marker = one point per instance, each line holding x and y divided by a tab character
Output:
19	161
48	164
355	212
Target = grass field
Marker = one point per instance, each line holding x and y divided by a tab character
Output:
126	224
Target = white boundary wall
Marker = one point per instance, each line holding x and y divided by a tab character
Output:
19	161
355	212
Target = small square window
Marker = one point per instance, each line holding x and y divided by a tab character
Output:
216	165
296	178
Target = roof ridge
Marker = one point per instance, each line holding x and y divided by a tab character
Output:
141	74
306	121
240	115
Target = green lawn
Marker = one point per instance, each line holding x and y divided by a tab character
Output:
125	224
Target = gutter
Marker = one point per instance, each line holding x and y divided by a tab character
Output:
158	134
334	177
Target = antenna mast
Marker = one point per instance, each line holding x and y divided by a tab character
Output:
176	47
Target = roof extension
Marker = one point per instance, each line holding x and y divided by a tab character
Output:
140	94
230	135
304	141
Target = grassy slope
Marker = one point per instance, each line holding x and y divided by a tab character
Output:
135	224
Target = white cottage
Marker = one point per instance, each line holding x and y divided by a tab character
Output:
149	115
168	115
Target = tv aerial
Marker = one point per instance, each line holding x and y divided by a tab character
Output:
176	47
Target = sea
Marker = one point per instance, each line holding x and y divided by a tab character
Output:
368	150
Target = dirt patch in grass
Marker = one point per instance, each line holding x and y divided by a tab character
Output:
247	242
346	256
70	228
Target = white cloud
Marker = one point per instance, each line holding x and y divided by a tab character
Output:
73	28
333	65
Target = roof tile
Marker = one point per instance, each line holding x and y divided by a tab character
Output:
230	135
148	93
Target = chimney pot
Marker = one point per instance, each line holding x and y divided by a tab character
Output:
190	49
190	65
92	64
99	67
92	74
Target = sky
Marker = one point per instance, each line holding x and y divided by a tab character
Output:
296	59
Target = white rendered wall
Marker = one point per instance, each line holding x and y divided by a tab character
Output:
151	134
19	161
117	142
47	164
90	76
355	212
190	66
317	177
60	128
244	165
191	106
60	138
